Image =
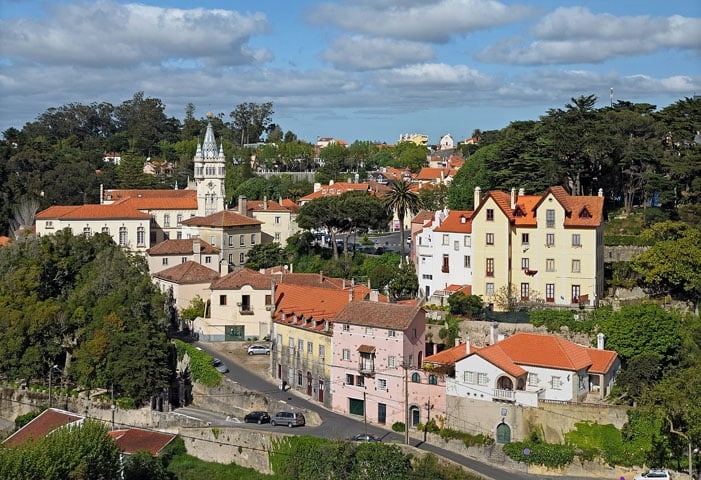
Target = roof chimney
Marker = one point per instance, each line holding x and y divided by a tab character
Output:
477	198
467	345
601	192
521	192
493	333
513	198
265	202
196	245
374	295
600	341
243	205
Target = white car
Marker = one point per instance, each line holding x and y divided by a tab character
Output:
258	349
656	473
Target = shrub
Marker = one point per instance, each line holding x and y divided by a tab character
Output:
398	426
547	454
22	420
468	439
127	403
201	366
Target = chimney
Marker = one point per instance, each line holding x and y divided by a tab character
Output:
493	333
102	192
272	300
601	192
374	295
457	341
265	202
521	192
477	198
467	345
350	294
317	187
513	198
243	205
197	249
600	341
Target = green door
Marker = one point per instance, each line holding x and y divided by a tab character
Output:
503	433
356	407
234	333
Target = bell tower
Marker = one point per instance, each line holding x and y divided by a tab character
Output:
210	171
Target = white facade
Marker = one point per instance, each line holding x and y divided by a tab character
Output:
210	171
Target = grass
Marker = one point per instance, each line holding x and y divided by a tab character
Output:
187	467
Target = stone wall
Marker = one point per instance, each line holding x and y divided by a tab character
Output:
622	253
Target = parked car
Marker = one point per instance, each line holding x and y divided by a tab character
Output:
257	417
291	419
258	349
365	437
657	473
220	366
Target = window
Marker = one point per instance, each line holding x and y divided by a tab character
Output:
466	261
87	231
532	379
322	351
164	261
411	360
427	276
231	259
446	264
415	377
414	333
456	245
277	237
490	214
469	377
525	237
106	230
381	384
489	290
179	218
550	265
140	236
360	381
550	292
253	239
575	293
268	299
490	239
390	361
49	224
222	299
576	240
525	264
576	266
213	240
183	259
231	240
346	327
300	346
346	354
525	290
122	236
433	379
550	240
467	241
299	378
242	258
310	348
291	343
179	235
278	340
391	333
208	259
277	220
556	383
482	379
166	220
445	239
490	267
242	240
245	303
350	379
550	218
368	330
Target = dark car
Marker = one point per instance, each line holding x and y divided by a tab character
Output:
220	366
365	437
257	417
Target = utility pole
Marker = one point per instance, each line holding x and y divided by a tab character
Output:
113	407
429	407
405	366
365	411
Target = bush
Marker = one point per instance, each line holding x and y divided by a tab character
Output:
468	439
22	420
398	426
201	366
127	403
547	454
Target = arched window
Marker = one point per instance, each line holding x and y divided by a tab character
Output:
415	377
433	379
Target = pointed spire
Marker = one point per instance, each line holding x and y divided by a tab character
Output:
209	145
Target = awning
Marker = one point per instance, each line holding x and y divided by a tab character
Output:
366	349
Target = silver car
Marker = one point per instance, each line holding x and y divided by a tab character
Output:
258	349
291	419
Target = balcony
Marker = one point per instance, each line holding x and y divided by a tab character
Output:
366	367
366	364
504	395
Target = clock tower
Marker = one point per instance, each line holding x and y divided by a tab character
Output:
210	171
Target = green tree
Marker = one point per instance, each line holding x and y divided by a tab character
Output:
401	199
405	284
461	304
433	198
144	466
333	158
410	155
323	214
472	174
266	255
363	213
251	120
130	171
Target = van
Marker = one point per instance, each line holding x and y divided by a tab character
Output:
291	419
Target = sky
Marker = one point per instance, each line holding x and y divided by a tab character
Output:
349	69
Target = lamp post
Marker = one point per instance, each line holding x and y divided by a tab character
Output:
51	371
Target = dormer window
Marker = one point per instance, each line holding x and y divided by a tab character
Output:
584	213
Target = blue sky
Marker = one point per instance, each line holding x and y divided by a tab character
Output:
355	69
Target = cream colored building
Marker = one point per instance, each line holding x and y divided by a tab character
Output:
188	280
170	253
278	222
538	248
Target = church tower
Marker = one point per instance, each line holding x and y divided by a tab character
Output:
210	170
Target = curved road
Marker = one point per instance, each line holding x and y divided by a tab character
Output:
339	426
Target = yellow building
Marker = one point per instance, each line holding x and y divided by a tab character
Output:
538	248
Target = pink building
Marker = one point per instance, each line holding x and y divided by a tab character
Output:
378	350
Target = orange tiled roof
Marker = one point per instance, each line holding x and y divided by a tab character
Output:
224	218
180	247
422	217
602	360
85	212
377	314
260	206
243	276
451	355
246	276
524	211
457	221
134	440
338	188
290	205
188	272
432	173
45	423
121	194
162	203
307	302
5	241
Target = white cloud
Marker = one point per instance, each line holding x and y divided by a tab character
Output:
103	33
434	21
575	35
429	76
363	53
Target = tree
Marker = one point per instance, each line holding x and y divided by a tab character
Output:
363	212
461	304
473	173
251	120
401	199
144	466
266	255
323	214
405	284
333	158
433	197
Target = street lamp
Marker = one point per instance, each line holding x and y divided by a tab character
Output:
51	371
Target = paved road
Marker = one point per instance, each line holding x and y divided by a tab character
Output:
334	425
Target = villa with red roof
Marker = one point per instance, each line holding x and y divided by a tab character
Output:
526	368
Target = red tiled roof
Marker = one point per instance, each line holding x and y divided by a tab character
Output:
80	212
225	218
243	276
188	272
366	349
377	314
432	173
422	217
457	221
290	205
602	360
121	194
5	241
317	303
45	423
260	206
134	440
338	188
180	247
451	355
163	203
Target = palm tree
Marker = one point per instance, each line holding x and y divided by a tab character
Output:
401	199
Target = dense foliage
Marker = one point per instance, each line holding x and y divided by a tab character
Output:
201	365
87	307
